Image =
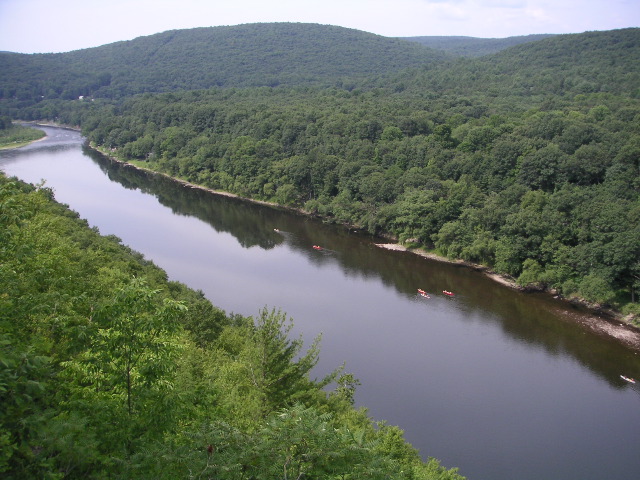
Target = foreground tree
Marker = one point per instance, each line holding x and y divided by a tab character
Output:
124	379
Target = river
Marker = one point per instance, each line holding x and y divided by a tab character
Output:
501	384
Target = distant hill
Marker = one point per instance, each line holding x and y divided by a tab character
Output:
303	55
252	55
560	65
473	46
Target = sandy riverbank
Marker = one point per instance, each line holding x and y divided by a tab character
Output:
432	256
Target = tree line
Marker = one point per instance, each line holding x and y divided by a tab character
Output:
473	46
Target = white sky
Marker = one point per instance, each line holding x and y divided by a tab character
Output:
38	26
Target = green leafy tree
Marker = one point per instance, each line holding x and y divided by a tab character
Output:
124	378
292	443
23	381
596	289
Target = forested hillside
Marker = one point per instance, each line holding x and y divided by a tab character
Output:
549	70
109	370
246	55
472	46
527	161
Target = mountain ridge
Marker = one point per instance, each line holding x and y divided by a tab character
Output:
250	55
313	55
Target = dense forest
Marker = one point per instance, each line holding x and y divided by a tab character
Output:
110	370
526	160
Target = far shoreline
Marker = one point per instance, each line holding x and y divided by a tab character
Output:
21	144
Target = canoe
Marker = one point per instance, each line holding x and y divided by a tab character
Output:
627	379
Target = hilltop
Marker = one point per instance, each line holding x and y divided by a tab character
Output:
312	55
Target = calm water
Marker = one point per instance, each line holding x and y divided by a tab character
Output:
497	383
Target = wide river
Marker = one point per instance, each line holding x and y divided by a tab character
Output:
501	384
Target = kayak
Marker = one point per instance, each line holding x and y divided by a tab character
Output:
447	293
630	380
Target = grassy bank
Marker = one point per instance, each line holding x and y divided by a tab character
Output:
16	136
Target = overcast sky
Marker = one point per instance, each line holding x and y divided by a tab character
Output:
38	26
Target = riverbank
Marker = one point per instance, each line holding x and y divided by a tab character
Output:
194	185
18	136
432	256
599	320
20	144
